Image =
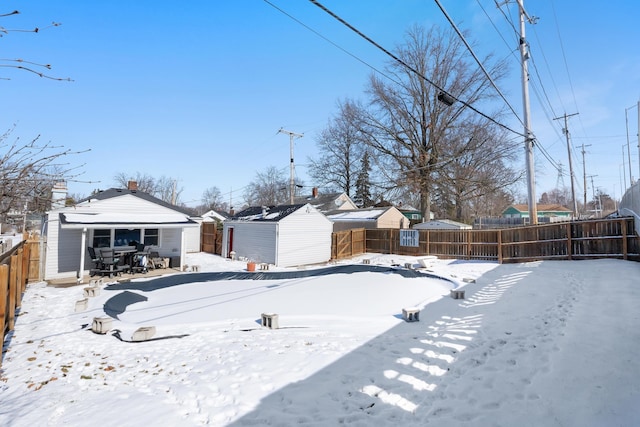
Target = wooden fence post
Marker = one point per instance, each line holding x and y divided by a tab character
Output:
569	242
19	276
499	246
624	238
468	237
13	285
4	289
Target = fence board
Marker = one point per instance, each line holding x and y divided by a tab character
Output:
608	238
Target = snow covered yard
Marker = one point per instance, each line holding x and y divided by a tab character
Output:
546	343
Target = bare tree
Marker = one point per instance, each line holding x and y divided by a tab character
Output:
28	171
479	166
269	187
21	64
164	188
406	124
212	199
340	148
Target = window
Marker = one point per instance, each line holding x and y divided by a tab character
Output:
101	238
125	236
151	237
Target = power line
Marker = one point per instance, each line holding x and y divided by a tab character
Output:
486	73
407	66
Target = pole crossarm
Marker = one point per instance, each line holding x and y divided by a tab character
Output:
292	185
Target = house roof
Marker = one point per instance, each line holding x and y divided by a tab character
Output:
266	213
443	224
541	208
366	214
214	214
324	202
117	192
93	219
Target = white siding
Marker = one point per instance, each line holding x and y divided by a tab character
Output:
192	239
63	245
304	238
254	240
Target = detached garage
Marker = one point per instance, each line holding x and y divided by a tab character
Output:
285	236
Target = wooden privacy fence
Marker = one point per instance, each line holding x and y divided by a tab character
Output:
211	238
605	238
17	266
348	243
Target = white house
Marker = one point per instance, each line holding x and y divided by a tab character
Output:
113	219
285	236
442	224
369	218
213	215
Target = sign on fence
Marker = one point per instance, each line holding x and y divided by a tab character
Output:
410	238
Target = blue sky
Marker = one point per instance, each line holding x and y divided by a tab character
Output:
198	90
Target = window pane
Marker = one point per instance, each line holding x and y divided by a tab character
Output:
151	237
124	236
101	238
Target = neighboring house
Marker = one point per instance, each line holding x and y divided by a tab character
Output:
285	236
413	214
113	219
369	218
327	202
214	215
522	211
442	224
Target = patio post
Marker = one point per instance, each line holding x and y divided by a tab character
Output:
83	242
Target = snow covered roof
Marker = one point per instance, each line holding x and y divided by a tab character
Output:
266	213
110	219
370	214
117	192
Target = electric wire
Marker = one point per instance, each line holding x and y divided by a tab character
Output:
408	67
475	57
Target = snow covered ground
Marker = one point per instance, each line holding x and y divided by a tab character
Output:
536	344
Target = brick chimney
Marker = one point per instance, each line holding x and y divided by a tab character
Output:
314	192
132	186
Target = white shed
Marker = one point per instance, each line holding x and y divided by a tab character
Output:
285	236
113	218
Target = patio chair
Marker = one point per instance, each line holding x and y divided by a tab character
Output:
140	259
111	263
95	259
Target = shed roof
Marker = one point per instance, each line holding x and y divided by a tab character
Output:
266	213
541	208
367	214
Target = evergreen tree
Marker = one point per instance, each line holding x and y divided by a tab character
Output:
363	184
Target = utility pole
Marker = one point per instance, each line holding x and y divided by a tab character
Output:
571	176
292	184
584	170
599	202
626	119
528	135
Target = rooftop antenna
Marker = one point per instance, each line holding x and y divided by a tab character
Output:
292	185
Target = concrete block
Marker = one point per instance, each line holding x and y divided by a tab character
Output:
263	266
81	305
411	314
270	320
101	325
468	280
408	265
92	291
366	261
143	333
195	268
457	293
